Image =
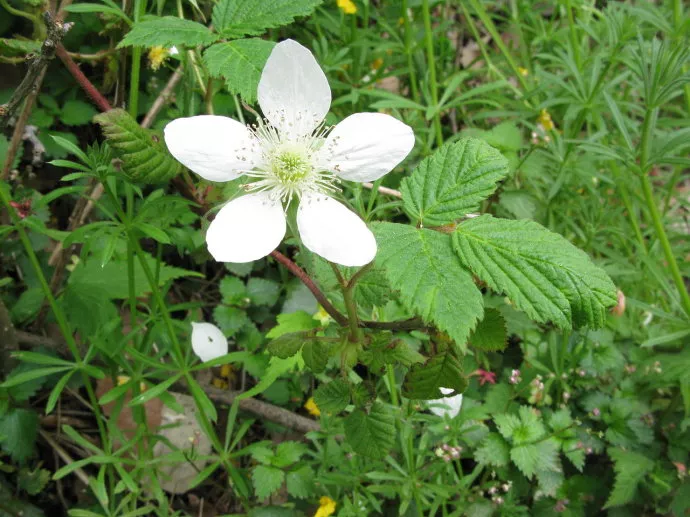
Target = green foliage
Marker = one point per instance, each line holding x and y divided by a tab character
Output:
541	272
239	63
421	265
442	370
266	480
631	468
372	433
452	182
491	334
167	31
333	397
143	152
237	18
18	432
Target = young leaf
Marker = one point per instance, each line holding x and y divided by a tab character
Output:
237	18
432	282
372	434
491	334
452	181
333	397
167	31
443	370
240	63
143	153
631	468
540	271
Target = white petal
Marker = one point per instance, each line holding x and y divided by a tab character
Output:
216	148
331	230
293	91
246	229
208	341
448	405
365	146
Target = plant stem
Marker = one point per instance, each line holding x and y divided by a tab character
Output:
390	375
408	52
353	320
133	108
431	62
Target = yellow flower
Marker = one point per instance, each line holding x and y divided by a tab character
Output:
377	63
156	57
347	6
545	120
322	316
523	71
314	410
326	507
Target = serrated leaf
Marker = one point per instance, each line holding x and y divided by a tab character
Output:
540	271
262	291
143	152
287	453
535	456
232	290
491	334
452	181
631	468
77	113
293	322
240	63
316	353
167	31
33	481
432	282
300	482
230	319
378	355
333	397
287	345
493	451
18	432
237	18
266	480
372	434
443	370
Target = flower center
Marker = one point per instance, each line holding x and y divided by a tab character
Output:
290	166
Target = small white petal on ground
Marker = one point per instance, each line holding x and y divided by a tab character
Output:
208	341
447	405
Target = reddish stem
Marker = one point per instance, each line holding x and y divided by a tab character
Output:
83	81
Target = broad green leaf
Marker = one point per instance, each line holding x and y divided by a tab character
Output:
300	482
233	290
18	432
77	113
266	480
443	370
452	182
262	291
389	351
491	334
493	451
540	271
371	434
237	18
287	453
167	31
432	281
240	63
316	353
292	322
144	155
532	457
230	319
19	47
287	345
333	397
631	469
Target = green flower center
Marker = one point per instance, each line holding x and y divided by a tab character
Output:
290	166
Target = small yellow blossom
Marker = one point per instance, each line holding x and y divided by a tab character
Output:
221	384
314	410
347	6
326	507
226	371
322	316
157	55
122	379
377	63
401	20
545	120
523	71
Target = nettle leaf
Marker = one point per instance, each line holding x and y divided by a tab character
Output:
540	271
240	63
631	468
432	282
237	18
443	370
143	152
491	334
333	397
452	181
167	31
371	434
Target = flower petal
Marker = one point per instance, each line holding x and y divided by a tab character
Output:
333	231
246	229
293	91
446	406
216	148
208	341
365	146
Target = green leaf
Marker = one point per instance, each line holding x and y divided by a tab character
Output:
292	322
143	152
316	353
237	18
493	451
443	370
266	480
288	345
333	397
77	113
540	271
631	468
372	434
240	63
491	334
300	482
432	282
18	432
233	290
262	291
33	481
452	181
167	31
382	352
287	453
537	456
19	47
230	319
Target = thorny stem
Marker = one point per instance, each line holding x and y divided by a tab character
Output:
431	59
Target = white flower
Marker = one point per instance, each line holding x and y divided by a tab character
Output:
290	156
448	405
208	341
